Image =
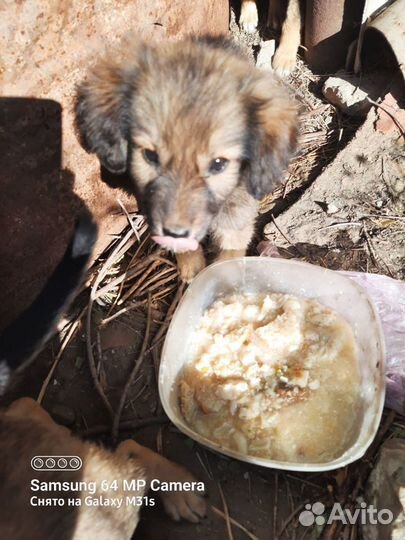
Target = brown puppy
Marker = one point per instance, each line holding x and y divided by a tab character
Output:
283	16
203	133
26	430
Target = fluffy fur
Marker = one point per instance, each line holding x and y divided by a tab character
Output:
202	132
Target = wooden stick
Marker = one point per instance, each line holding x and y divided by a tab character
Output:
137	365
226	513
63	346
235	523
124	243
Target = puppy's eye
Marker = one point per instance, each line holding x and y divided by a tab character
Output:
218	165
151	157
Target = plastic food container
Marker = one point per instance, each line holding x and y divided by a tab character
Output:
265	274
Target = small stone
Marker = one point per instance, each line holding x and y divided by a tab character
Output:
385	120
266	54
332	209
344	92
268	229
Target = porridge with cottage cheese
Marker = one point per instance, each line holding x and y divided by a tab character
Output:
274	376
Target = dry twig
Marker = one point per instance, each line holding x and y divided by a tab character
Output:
63	346
286	237
226	513
162	330
235	523
137	365
122	246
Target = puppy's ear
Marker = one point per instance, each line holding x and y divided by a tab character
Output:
273	119
103	113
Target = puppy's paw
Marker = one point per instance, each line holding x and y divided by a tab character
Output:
188	505
249	18
190	263
284	61
178	504
226	254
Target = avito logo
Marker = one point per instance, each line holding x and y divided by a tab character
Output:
364	514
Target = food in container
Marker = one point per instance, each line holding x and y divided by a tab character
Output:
273	375
262	275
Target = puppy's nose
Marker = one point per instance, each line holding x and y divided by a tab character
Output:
176	232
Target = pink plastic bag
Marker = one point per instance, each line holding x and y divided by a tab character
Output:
388	296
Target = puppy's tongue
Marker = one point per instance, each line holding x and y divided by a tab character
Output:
176	244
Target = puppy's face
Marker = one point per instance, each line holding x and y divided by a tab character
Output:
191	121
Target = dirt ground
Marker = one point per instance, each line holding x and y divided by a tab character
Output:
353	216
138	289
